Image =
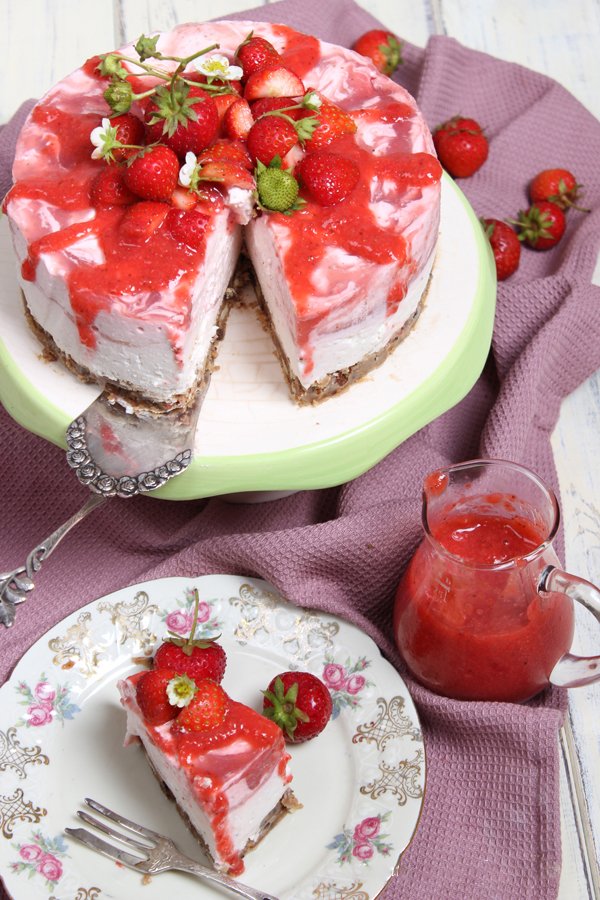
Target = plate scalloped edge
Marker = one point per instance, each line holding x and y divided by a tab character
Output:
60	700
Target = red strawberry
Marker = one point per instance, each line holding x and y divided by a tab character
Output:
333	123
234	151
268	104
559	186
192	656
223	102
109	189
141	221
382	47
185	119
183	199
189	227
269	137
461	146
299	703
206	711
228	173
151	695
327	177
154	173
276	81
255	54
238	120
130	130
542	225
505	245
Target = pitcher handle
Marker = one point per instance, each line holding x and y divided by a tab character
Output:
572	670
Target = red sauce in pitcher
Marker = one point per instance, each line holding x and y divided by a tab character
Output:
469	627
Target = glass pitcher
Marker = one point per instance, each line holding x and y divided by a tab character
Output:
484	611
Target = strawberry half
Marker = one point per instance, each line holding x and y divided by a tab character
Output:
141	221
195	657
276	81
238	120
234	151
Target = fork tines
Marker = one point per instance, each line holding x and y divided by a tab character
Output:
101	846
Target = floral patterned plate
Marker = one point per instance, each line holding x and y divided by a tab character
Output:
361	782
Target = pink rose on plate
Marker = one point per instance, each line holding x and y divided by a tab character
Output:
367	829
334	676
44	692
355	684
180	622
49	867
30	852
203	611
39	715
362	851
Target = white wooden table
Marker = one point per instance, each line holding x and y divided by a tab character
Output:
43	40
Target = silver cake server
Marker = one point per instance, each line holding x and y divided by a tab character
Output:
115	453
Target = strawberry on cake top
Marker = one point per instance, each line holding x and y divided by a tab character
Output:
136	176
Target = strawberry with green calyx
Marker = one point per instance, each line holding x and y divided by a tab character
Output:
383	49
198	658
558	186
277	188
183	117
541	226
299	703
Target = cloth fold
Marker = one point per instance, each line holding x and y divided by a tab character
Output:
490	826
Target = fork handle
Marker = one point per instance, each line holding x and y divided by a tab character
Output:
15	585
235	886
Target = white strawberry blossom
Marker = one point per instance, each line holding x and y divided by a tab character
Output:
217	66
103	138
181	690
186	172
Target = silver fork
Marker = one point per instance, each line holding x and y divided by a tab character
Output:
155	854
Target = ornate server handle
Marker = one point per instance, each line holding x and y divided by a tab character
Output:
14	586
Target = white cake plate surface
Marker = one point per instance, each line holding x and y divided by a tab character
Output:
251	437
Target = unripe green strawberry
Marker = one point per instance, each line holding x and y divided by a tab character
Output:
277	188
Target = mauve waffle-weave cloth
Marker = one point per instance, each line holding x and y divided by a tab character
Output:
490	826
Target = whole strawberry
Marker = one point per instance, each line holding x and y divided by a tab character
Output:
206	710
186	119
196	658
255	54
327	178
541	226
461	146
154	173
299	703
505	245
558	186
382	47
277	188
152	697
109	189
269	137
